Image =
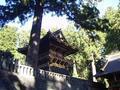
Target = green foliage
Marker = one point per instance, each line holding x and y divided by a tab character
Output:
22	38
113	16
113	36
83	14
9	39
86	46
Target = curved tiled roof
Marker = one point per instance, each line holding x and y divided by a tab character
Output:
112	66
56	37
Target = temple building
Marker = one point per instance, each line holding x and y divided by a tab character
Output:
111	71
52	52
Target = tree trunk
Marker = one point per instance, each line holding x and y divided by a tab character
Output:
33	49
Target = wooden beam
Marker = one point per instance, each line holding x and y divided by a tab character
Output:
44	65
58	47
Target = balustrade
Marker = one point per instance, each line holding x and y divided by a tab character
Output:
28	71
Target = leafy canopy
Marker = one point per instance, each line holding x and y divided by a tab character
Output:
86	46
10	40
7	38
83	14
113	36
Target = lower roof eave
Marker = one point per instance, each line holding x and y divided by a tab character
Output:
106	74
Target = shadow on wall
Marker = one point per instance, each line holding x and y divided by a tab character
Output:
44	81
9	81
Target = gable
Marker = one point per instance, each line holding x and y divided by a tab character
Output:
59	35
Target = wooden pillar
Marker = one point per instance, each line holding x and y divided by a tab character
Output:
75	74
93	68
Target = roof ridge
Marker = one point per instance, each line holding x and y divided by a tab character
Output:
113	56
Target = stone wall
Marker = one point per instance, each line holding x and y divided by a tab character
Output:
22	78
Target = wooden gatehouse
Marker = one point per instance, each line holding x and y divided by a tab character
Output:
52	52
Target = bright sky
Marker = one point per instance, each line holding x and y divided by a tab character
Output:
102	6
61	22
